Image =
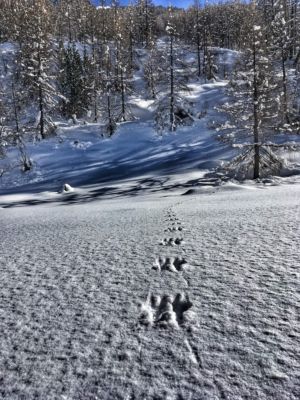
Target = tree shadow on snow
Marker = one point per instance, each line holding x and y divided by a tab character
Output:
138	187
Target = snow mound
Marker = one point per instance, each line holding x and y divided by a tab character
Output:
67	188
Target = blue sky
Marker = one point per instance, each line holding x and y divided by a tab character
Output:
178	3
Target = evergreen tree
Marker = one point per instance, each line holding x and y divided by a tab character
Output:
37	67
281	45
11	129
123	63
254	109
172	109
109	108
144	21
197	36
153	69
75	81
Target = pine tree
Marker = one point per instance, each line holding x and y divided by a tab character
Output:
4	132
95	69
129	34
76	82
73	19
254	111
281	45
144	21
11	131
108	109
123	63
153	69
36	59
197	36
172	109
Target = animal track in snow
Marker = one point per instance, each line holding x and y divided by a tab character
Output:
174	229
170	264
166	311
171	242
171	213
178	223
173	219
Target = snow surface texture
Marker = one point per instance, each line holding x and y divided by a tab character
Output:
93	306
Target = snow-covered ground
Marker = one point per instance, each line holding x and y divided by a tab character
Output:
137	156
81	156
98	301
128	273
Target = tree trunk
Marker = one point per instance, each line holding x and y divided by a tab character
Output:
172	120
123	113
41	95
131	51
297	59
110	121
284	87
69	25
199	54
256	172
95	105
41	108
198	42
146	23
205	51
152	86
15	107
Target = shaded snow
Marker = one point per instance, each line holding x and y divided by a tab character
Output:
82	157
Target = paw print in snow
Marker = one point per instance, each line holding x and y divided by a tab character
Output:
170	264
171	242
166	311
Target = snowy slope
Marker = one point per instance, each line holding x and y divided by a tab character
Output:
81	156
98	303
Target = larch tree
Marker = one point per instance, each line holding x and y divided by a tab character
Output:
172	109
76	84
108	109
37	66
153	69
144	21
198	36
123	65
12	96
281	44
254	107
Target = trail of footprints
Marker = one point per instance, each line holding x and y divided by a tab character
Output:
170	264
171	242
175	227
168	310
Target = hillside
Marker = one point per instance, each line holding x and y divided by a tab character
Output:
137	157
